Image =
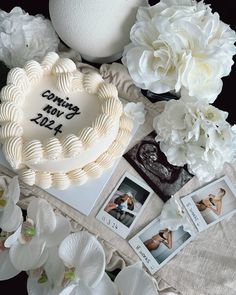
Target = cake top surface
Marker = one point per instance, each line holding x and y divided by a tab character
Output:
49	112
53	104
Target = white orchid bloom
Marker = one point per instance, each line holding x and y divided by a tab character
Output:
47	279
42	230
173	217
132	280
10	213
84	259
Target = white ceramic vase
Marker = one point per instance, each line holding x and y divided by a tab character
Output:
97	29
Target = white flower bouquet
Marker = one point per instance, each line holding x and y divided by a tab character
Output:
195	134
180	45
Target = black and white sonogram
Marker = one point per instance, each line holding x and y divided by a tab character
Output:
151	163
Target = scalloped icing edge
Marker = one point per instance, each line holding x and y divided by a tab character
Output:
92	170
20	80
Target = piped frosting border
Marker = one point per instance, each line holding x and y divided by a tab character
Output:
92	170
69	79
21	80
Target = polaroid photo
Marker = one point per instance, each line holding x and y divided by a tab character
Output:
125	204
211	204
155	245
152	165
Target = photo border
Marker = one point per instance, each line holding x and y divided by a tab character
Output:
111	222
145	255
195	214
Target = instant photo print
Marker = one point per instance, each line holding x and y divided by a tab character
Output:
156	245
211	204
125	204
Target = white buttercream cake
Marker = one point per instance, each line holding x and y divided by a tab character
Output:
60	126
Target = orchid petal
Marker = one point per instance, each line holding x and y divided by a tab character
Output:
70	290
34	288
42	259
133	280
13	238
7	270
11	217
54	267
13	190
83	251
4	182
105	287
42	213
61	231
27	256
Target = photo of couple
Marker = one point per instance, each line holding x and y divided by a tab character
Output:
125	204
127	201
121	207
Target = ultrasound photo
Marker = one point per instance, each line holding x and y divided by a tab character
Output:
152	165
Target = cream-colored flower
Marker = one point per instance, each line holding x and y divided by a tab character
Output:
150	59
135	111
196	134
25	37
200	77
180	45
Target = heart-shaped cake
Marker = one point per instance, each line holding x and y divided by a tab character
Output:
60	126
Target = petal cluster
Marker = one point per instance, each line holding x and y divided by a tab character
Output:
180	45
195	134
25	37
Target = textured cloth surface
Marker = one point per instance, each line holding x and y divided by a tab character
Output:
205	266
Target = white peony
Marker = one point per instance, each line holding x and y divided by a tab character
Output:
25	37
180	45
195	134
